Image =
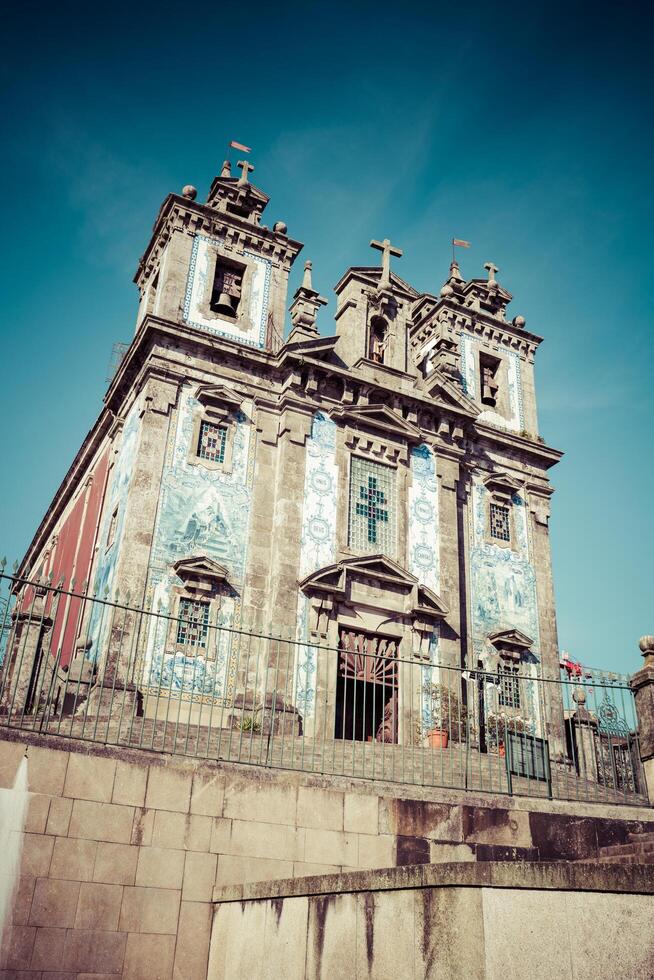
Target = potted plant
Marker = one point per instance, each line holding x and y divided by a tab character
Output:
497	728
250	722
447	716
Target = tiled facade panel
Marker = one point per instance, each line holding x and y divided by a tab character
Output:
318	547
502	582
113	518
199	289
202	512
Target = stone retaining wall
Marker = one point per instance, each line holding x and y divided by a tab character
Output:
478	921
123	848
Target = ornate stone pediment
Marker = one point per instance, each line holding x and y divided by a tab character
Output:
380	418
219	397
448	395
200	573
502	485
512	642
378	581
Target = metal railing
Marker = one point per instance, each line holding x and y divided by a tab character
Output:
89	667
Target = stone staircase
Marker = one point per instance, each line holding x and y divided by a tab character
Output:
638	850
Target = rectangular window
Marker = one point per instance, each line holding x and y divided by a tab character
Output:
193	623
373	507
211	442
509	695
500	527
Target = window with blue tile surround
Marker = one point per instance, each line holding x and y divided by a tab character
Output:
500	526
193	623
211	442
372	519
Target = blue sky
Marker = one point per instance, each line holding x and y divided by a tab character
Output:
526	131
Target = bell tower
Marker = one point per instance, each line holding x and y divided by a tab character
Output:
215	267
373	314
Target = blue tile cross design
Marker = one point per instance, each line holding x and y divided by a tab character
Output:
372	508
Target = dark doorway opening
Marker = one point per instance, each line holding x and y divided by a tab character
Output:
366	687
360	708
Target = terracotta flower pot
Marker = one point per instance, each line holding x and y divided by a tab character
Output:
437	738
502	750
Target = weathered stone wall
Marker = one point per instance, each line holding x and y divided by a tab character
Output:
483	922
123	848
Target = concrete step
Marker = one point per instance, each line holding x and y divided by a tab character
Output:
623	859
618	850
642	838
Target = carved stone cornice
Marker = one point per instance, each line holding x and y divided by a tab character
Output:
484	325
179	214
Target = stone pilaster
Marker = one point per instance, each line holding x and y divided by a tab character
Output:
549	644
294	428
21	680
448	474
116	671
642	684
585	728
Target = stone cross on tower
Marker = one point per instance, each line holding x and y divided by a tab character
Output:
387	250
492	269
245	167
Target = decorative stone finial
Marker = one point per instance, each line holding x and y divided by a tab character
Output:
280	227
245	167
387	250
647	649
447	290
227	169
519	321
304	309
579	696
455	272
492	269
189	192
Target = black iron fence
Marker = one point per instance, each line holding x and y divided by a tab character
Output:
104	669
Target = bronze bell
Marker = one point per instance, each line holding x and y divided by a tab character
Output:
226	305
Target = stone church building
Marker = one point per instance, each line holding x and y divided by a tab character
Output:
274	547
379	489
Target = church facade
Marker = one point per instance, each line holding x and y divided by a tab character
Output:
377	494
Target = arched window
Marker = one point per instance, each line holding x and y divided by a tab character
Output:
377	342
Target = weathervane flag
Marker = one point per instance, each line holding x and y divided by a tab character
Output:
241	147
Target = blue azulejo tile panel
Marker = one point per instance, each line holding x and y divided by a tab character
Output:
423	518
202	512
115	504
424	544
468	359
250	329
203	677
503	592
318	544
